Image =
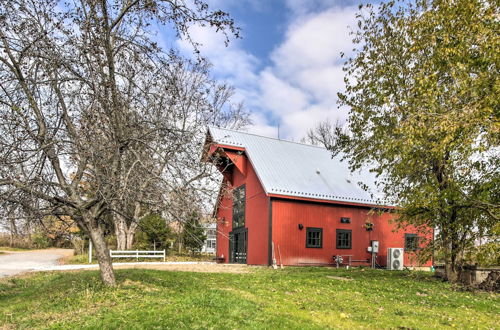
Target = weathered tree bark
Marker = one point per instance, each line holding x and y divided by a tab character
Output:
120	232
132	228
102	252
13	231
124	231
451	248
131	235
451	271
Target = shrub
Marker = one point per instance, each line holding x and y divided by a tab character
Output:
484	255
40	240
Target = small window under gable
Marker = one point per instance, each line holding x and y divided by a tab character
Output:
345	220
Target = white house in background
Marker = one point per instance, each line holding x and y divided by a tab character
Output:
211	233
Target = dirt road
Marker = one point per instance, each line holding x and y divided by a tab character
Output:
12	263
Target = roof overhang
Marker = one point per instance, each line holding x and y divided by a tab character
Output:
327	201
212	148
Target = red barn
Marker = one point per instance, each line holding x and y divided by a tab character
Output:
294	204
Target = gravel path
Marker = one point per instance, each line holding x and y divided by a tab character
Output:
188	266
13	263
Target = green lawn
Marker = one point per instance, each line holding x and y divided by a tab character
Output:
300	298
7	248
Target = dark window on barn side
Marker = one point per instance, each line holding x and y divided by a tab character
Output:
239	207
345	220
314	237
411	242
344	239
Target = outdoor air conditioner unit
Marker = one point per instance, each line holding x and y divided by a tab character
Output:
395	259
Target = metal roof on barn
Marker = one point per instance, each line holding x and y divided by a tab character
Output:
300	170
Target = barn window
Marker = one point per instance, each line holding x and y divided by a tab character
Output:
314	237
239	207
345	220
411	242
344	238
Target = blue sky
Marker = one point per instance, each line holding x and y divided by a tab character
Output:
287	68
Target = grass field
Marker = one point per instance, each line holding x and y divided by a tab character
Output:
7	248
299	298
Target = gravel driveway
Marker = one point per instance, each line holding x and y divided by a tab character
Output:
12	263
183	266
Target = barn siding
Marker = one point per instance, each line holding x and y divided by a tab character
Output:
287	215
256	216
224	218
256	219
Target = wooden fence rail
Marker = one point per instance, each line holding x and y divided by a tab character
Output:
137	254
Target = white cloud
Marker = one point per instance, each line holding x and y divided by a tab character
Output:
261	125
304	7
315	40
279	96
302	121
310	56
231	62
299	88
322	83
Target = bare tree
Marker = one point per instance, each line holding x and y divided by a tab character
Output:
85	93
157	168
17	221
327	134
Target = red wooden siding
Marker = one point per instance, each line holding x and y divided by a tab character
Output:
256	219
224	217
287	215
256	214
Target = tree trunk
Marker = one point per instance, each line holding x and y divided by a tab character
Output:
124	232
120	232
452	272
124	236
12	232
130	238
179	242
451	269
102	253
132	228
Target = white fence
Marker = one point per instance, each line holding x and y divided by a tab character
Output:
137	254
